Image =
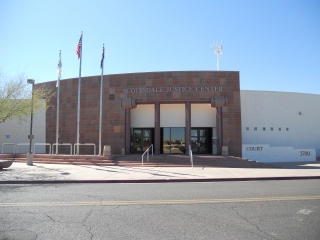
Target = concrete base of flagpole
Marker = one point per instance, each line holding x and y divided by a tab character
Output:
29	159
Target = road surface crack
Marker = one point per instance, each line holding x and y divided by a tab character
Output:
252	224
48	216
84	223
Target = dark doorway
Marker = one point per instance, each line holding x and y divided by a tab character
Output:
141	139
201	140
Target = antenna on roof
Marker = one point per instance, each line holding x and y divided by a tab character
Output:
218	51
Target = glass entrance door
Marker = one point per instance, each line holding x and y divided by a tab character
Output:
199	140
172	140
141	139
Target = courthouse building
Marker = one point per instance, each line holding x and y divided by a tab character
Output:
170	110
175	111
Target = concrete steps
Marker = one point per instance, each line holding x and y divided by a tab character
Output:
62	159
136	160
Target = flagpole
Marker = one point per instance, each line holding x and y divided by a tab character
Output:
79	89
101	92
58	102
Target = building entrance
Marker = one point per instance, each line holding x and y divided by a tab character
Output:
172	140
200	140
141	139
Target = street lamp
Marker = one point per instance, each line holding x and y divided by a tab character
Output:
30	155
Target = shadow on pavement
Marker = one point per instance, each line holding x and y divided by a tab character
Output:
298	165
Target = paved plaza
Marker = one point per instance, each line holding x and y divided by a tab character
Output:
38	172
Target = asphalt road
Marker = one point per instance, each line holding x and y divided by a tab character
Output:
215	210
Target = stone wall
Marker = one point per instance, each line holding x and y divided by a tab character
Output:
184	86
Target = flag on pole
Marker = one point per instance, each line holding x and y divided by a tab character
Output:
79	53
79	47
59	68
102	58
101	93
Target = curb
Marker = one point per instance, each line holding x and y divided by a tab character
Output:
160	180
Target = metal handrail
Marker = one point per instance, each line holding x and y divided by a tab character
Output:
62	144
41	144
190	154
147	151
20	144
14	147
85	144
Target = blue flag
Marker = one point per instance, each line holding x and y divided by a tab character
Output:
102	58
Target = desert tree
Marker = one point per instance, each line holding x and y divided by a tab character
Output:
16	97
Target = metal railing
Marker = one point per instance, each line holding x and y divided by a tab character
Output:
21	144
190	155
41	144
147	152
14	147
85	144
52	147
62	144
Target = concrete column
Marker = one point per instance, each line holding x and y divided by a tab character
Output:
157	128
127	103
188	125
219	129
30	159
127	130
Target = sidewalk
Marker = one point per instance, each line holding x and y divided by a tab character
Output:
64	173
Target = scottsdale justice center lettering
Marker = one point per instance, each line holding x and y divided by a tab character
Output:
174	89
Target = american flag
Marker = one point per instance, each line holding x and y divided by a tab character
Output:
102	58
79	48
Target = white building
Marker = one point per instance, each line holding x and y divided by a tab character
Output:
276	127
14	134
280	126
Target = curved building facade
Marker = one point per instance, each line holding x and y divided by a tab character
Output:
171	110
204	111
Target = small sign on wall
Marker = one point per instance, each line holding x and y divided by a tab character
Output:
267	153
7	136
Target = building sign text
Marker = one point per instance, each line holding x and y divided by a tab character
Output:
254	148
174	89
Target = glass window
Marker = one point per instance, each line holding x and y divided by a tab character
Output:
177	140
203	133
166	140
137	140
146	133
193	143
173	140
141	139
194	133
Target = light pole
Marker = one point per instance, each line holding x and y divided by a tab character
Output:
30	155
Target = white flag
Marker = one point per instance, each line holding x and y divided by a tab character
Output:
59	68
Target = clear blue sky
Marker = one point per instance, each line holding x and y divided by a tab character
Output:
275	44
